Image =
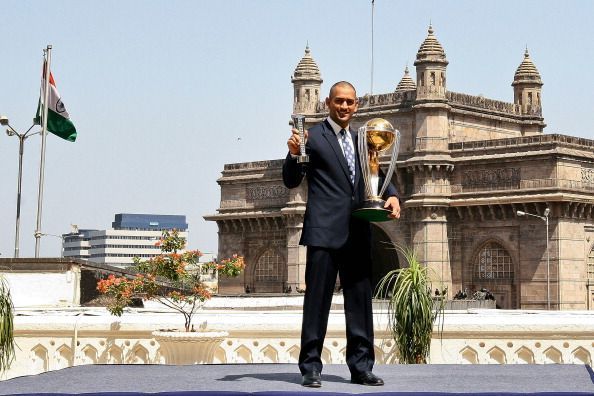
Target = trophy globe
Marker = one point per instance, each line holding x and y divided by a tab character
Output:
376	137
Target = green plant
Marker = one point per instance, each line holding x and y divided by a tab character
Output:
173	278
410	307
6	326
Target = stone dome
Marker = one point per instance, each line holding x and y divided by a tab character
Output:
527	72
307	69
431	49
406	83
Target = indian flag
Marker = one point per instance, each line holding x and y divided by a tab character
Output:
58	119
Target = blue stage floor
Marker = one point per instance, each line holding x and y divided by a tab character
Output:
284	379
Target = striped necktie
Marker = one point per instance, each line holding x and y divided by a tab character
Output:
349	155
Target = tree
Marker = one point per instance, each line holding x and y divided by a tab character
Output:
173	278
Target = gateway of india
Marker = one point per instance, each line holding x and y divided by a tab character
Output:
467	165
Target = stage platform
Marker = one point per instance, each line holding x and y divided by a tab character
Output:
284	379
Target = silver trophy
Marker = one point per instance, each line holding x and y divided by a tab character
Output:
298	123
375	138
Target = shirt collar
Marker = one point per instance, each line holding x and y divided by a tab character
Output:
335	127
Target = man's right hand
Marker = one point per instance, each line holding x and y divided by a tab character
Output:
294	142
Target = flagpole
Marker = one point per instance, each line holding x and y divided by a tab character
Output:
48	59
372	12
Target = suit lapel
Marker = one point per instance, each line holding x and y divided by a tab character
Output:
333	142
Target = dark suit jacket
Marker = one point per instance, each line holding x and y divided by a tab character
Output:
331	197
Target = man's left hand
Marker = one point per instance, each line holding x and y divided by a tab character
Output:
393	204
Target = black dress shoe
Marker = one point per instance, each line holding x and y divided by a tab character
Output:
367	378
312	379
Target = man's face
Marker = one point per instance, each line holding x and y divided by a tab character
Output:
342	104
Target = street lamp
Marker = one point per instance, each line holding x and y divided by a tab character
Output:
545	218
61	237
10	131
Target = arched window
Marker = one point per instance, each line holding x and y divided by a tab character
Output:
493	262
591	264
268	267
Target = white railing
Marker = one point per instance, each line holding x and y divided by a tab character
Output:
55	339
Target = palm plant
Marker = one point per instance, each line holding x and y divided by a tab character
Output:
6	326
411	310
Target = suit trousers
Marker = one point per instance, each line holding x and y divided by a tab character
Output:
353	266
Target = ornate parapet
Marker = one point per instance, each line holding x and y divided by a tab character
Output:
56	339
393	99
523	143
482	103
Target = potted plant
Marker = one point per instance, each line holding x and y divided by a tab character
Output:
174	279
411	309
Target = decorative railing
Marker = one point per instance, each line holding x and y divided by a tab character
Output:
387	99
524	140
437	189
254	165
54	340
530	184
482	103
431	142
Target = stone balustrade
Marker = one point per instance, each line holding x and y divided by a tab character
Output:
51	339
534	140
538	184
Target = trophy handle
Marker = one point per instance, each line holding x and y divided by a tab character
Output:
393	159
364	161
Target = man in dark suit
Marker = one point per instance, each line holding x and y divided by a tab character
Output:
337	243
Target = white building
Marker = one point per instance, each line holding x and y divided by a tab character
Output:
131	235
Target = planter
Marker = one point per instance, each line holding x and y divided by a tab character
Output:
189	347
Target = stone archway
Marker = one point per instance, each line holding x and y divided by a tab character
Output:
493	268
268	275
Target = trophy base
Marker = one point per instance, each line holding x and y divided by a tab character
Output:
303	159
373	211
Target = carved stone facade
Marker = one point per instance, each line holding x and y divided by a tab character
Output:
467	165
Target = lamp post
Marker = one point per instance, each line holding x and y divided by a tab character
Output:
545	218
10	131
61	237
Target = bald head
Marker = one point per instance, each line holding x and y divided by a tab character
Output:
341	84
342	103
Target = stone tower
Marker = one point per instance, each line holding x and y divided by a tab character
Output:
431	66
431	164
431	108
406	83
527	87
307	81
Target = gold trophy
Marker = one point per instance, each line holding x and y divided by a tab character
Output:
298	123
375	138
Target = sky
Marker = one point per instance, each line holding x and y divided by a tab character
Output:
165	93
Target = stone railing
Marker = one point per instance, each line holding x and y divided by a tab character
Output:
369	101
55	339
455	98
278	163
537	184
437	189
423	143
522	141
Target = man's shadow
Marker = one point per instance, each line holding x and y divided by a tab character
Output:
292	378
